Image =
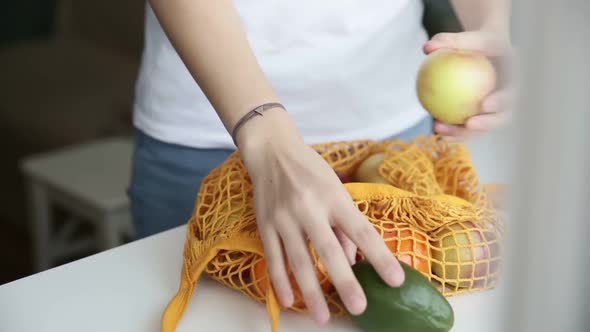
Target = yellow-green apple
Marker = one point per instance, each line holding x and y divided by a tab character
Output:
368	170
452	83
231	211
463	252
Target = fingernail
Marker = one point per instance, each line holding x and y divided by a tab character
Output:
406	259
357	305
396	275
440	127
286	297
430	46
433	43
322	317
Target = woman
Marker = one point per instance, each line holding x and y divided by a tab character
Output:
322	71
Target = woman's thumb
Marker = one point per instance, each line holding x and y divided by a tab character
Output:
484	42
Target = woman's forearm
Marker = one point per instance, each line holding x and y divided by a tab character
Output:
208	37
483	14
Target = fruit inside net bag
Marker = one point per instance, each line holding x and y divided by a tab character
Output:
426	202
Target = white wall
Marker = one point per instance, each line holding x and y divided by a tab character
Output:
549	273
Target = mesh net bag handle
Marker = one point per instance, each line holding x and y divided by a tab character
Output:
190	277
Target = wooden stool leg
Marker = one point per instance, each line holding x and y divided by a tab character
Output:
108	232
40	222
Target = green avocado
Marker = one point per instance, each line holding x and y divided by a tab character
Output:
416	306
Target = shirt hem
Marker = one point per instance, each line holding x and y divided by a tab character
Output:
211	140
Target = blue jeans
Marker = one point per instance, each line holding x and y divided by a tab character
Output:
166	178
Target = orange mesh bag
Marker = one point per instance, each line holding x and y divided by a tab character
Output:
433	214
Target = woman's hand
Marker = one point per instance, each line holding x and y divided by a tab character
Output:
496	108
297	197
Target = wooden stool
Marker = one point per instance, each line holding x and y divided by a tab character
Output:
89	181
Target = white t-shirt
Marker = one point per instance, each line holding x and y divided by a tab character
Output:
344	70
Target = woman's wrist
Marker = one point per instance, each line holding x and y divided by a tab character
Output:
273	130
258	111
498	28
497	20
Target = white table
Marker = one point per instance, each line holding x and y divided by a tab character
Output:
127	289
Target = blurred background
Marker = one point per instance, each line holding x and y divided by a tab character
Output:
67	73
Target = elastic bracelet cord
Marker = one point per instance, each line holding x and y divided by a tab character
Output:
255	112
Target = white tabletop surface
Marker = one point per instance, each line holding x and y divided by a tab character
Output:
127	289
